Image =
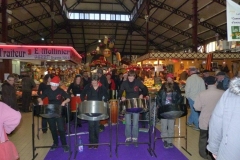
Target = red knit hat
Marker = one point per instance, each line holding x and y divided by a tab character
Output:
55	81
170	75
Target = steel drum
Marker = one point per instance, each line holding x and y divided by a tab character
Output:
50	111
172	111
74	102
114	110
135	105
93	110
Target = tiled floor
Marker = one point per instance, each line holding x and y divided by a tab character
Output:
22	138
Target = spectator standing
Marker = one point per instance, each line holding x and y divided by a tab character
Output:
85	79
205	102
102	78
224	125
205	74
222	81
194	85
27	85
9	92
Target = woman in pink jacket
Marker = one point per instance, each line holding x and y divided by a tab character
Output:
9	120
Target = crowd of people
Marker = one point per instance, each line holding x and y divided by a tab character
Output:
213	102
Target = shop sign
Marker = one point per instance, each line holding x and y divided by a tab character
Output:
18	52
233	21
39	52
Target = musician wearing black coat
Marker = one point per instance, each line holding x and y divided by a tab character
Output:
42	87
94	92
75	89
133	88
56	96
169	94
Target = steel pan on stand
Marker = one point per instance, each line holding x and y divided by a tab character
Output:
134	105
49	111
93	111
45	102
171	111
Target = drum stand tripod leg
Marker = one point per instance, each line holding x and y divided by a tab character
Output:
149	131
38	129
33	137
116	149
185	149
154	129
69	137
75	142
110	130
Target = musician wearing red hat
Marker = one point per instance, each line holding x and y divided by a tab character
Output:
57	96
168	94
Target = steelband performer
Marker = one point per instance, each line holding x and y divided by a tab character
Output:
94	92
75	89
55	96
168	94
42	87
132	88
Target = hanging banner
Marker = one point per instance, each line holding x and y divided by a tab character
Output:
39	52
233	21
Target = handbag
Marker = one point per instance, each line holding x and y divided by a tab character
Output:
8	151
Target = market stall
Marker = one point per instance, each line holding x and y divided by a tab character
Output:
178	62
63	61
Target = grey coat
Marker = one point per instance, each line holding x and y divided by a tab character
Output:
224	128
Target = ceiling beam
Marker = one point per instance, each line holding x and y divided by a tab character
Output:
222	33
124	7
139	10
172	28
222	2
16	5
38	31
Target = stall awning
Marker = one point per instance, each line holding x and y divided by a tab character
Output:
39	52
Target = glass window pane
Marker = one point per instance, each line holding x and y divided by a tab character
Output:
112	16
76	15
92	16
123	18
103	17
81	16
71	15
117	17
86	15
96	16
107	16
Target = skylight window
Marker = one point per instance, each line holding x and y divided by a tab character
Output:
97	16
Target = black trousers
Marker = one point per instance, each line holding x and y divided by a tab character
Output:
74	114
93	128
203	137
54	124
26	100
